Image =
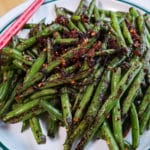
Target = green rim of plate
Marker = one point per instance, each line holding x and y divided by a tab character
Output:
3	147
50	1
135	5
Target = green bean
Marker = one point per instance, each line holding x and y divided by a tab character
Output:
145	102
106	52
148	124
45	92
147	34
81	27
26	116
65	40
96	14
92	110
19	65
52	127
135	126
62	73
25	125
126	34
72	26
25	94
140	24
115	25
129	18
20	110
35	51
143	121
133	12
106	133
86	96
35	67
141	29
32	81
105	12
111	102
80	8
147	24
116	114
91	8
50	53
13	53
32	40
78	99
103	15
59	11
51	110
66	107
132	93
127	145
8	103
28	52
88	26
67	70
37	131
76	18
4	87
116	75
54	83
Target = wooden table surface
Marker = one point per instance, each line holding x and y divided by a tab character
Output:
6	5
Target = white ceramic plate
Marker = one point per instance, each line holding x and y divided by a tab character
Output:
10	135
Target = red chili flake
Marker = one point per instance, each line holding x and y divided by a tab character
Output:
137	53
75	120
72	82
93	33
61	20
74	34
44	65
108	116
79	53
78	64
17	98
145	70
44	49
40	84
83	42
55	34
84	18
28	58
137	44
56	53
112	43
91	53
132	31
63	62
108	142
97	45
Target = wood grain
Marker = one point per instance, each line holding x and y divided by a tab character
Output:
6	5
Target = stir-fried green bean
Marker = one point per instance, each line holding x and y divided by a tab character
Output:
88	71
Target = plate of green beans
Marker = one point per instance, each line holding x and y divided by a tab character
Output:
77	76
